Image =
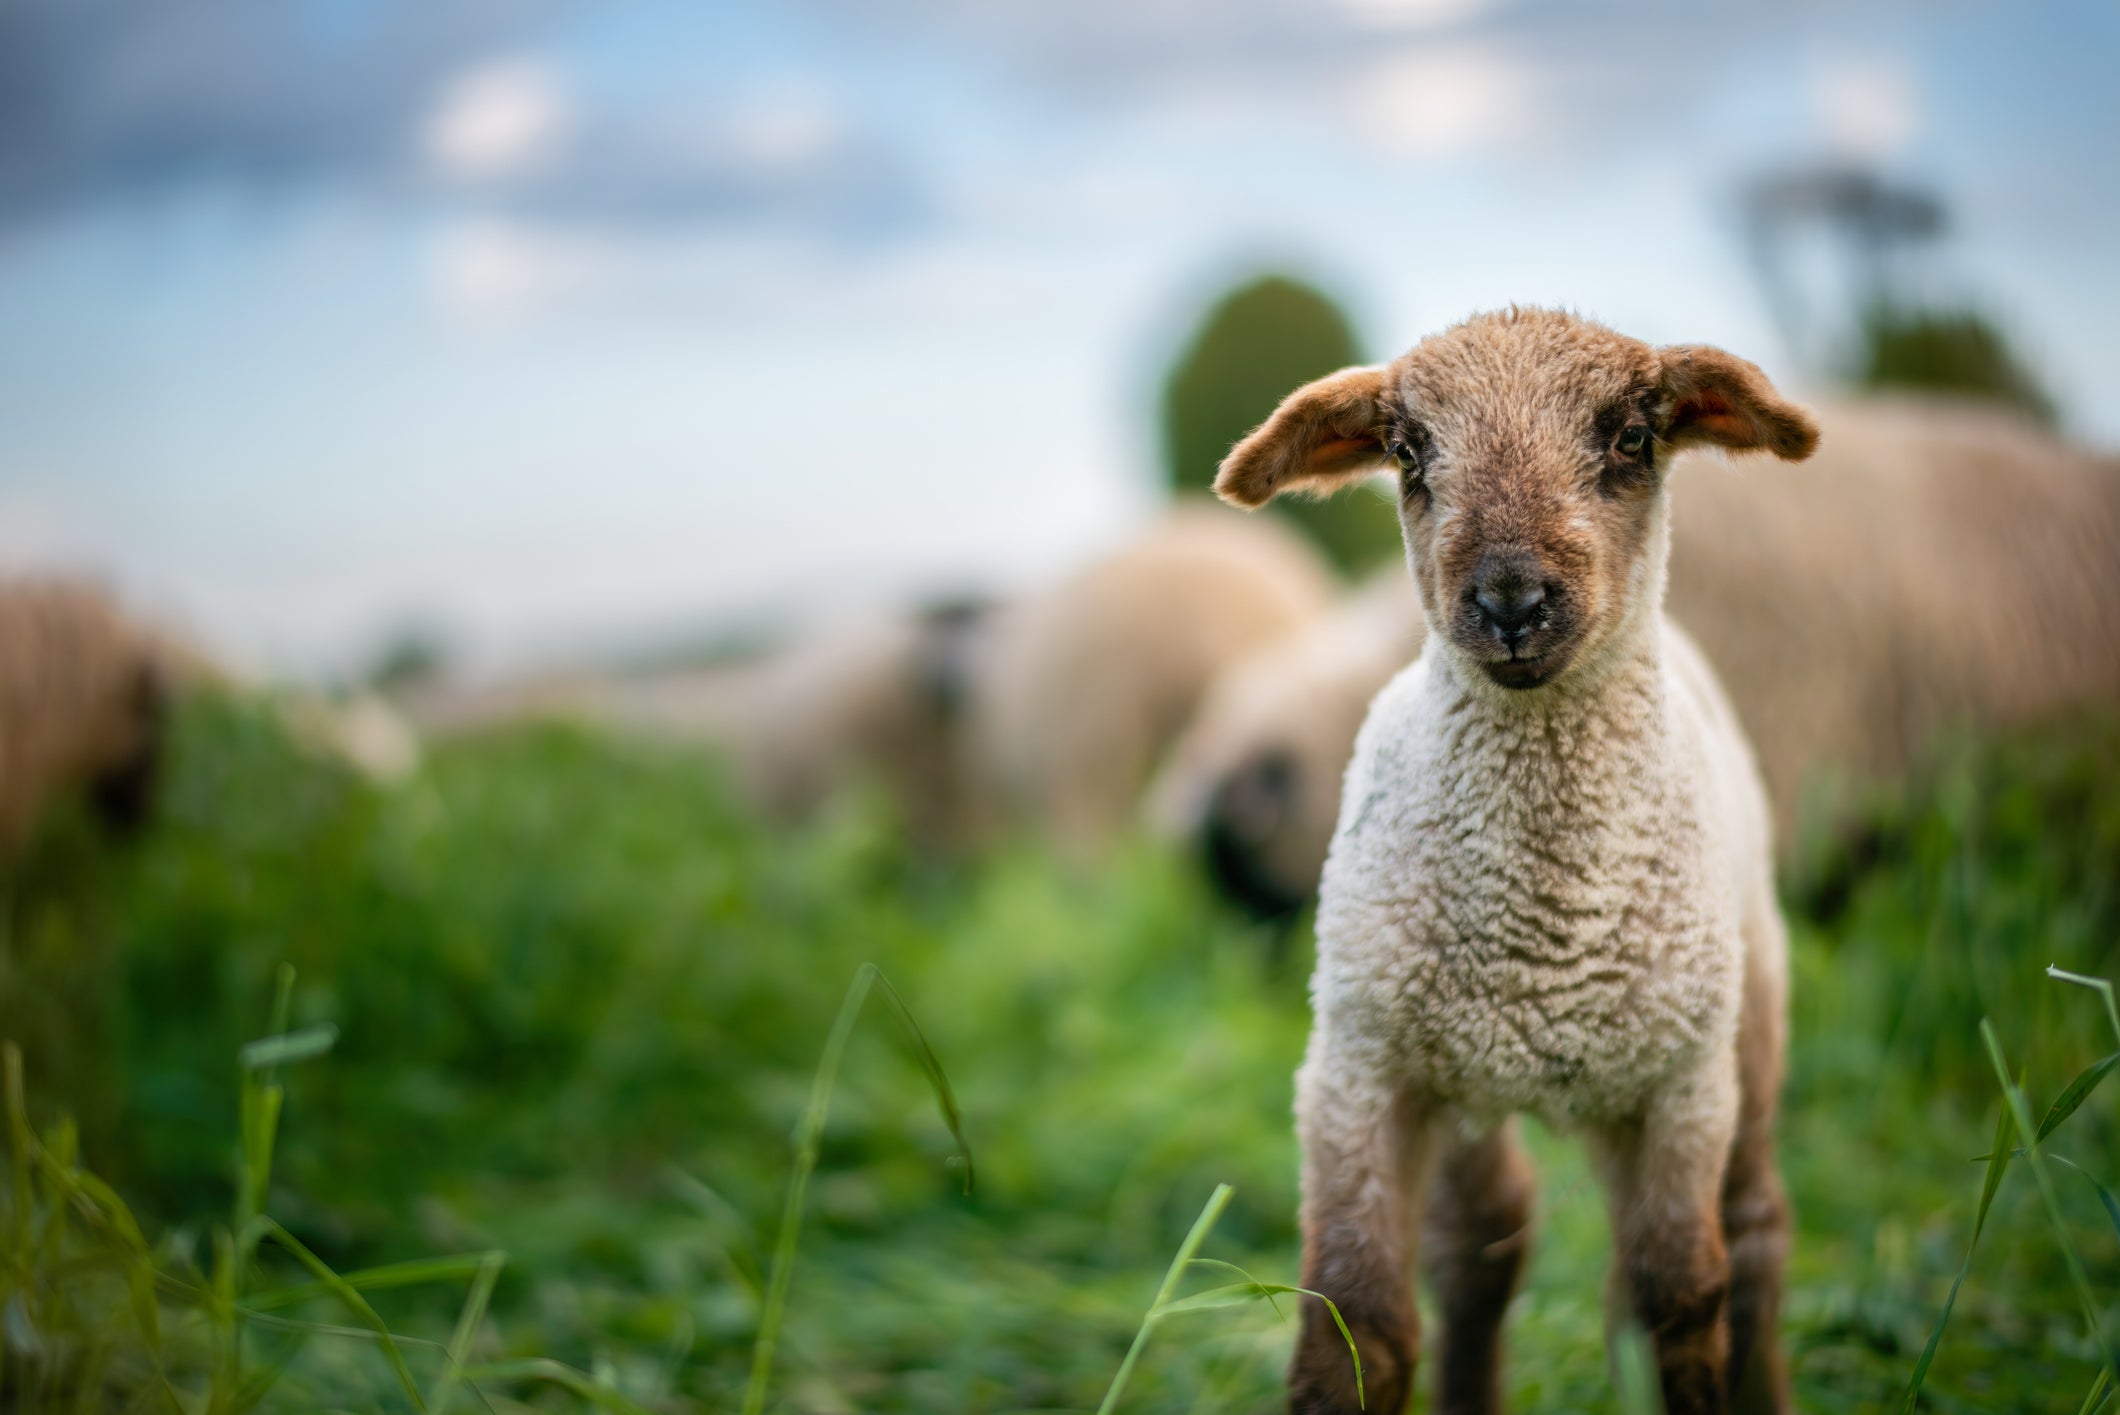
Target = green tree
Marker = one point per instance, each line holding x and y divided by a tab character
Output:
1949	351
1255	345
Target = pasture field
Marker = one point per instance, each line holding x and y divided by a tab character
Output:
558	999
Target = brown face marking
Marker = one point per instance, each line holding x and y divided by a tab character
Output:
1535	501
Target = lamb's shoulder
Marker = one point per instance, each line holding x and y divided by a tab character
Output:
1525	906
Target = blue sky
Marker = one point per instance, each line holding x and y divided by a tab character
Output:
554	324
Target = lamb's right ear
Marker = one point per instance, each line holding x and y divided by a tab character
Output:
1323	434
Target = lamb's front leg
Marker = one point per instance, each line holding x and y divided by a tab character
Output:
1363	1159
1664	1177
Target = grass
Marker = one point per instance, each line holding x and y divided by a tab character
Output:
556	1017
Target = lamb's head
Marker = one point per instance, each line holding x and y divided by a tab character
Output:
1530	448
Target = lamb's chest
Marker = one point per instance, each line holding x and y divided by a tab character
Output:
1514	959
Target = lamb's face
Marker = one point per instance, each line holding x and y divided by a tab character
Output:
1530	447
1530	474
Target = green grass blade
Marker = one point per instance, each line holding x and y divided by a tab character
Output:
99	1206
282	997
2097	1394
807	1138
554	1373
19	1144
353	1300
452	1268
1998	1160
267	1053
1240	1272
937	1080
727	1231
2100	985
2105	1195
1252	1290
2078	1092
1216	1202
809	1134
468	1322
2022	1110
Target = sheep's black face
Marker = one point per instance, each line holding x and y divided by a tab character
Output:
1528	514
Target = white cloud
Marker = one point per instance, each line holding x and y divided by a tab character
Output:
493	271
1870	108
1441	102
787	125
500	119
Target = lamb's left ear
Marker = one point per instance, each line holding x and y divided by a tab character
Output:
1323	434
1719	398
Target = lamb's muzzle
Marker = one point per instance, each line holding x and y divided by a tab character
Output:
1550	887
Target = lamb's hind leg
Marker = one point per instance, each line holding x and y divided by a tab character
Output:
1362	1161
1478	1235
1755	1212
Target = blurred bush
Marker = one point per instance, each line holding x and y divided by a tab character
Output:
1257	344
1947	351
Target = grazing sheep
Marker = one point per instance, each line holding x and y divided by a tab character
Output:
874	700
1551	885
1076	693
1048	711
1254	780
870	699
81	705
1935	562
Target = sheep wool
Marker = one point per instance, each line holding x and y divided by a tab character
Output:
81	701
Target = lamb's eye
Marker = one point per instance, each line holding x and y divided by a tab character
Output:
1631	441
1404	456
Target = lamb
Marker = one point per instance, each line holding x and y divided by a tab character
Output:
1076	693
81	706
1937	562
1550	889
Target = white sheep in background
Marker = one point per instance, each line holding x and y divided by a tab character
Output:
1551	884
1047	712
1936	562
1077	692
1254	781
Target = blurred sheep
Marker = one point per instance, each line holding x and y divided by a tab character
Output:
1077	693
873	701
1049	712
1255	778
82	696
1933	563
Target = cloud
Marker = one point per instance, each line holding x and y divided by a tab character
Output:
1442	102
1870	108
487	272
467	108
498	119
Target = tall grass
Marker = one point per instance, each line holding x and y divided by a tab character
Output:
575	996
69	1236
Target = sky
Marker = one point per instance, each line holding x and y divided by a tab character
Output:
549	325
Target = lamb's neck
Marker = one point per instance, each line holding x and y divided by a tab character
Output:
1596	729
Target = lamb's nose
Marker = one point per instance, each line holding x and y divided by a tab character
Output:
1509	593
